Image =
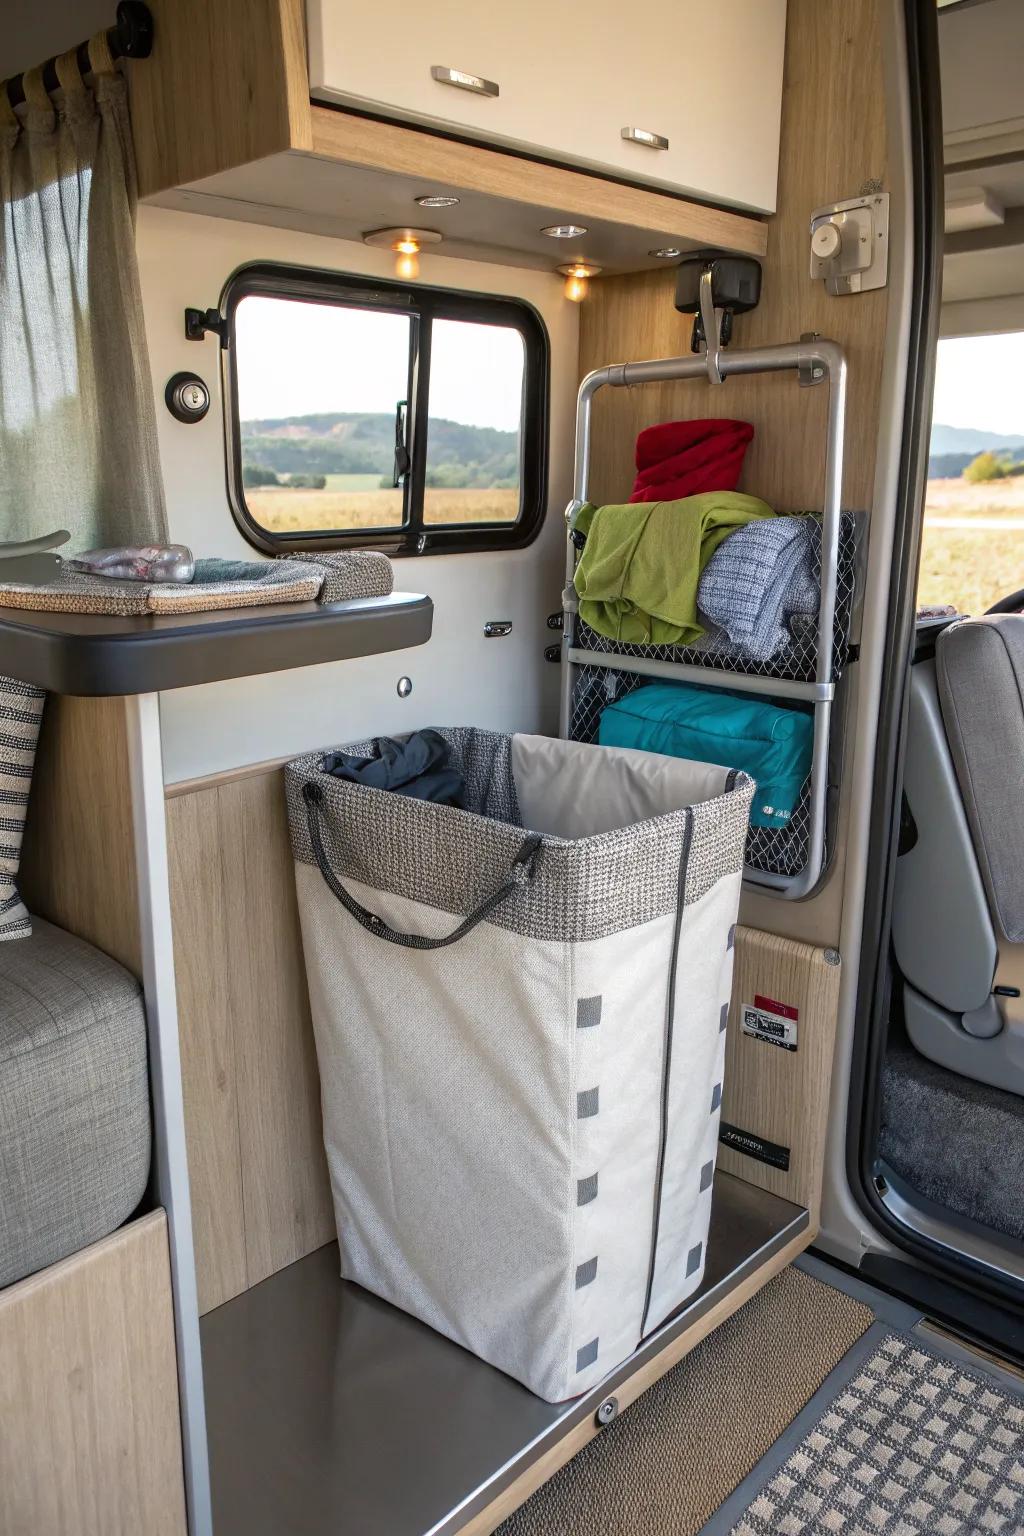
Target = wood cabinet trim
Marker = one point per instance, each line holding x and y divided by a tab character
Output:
392	147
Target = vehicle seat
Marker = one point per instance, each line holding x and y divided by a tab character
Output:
958	915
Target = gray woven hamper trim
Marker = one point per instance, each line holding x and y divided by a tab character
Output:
451	859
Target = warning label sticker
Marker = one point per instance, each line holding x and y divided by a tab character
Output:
776	1023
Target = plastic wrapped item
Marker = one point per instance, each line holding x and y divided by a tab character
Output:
138	562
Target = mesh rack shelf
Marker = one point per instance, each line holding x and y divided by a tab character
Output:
787	861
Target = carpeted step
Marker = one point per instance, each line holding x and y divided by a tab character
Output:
957	1142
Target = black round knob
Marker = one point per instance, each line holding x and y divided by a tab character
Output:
187	397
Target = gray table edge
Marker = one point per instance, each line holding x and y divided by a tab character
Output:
91	656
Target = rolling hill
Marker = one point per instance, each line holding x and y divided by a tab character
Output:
952	448
363	443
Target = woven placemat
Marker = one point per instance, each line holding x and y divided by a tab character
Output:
216	584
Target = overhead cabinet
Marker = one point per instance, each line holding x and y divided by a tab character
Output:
689	101
402	109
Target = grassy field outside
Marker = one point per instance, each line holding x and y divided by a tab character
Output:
344	506
972	547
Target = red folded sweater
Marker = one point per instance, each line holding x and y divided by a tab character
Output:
684	458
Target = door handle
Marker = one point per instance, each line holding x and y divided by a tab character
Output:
645	137
462	81
402	460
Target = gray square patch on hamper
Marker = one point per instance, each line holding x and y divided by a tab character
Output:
588	1012
586	1273
693	1259
586	1355
586	1189
587	1103
716	1097
707	1175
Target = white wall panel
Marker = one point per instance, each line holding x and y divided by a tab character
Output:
459	677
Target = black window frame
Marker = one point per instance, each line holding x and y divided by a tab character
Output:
423	303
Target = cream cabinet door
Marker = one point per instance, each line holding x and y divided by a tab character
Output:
699	85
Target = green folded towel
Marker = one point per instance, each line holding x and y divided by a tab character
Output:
638	574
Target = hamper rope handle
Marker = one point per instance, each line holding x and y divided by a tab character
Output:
518	875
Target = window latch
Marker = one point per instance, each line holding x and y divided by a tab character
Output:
199	321
402	459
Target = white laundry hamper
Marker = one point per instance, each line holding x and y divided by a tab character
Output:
519	1012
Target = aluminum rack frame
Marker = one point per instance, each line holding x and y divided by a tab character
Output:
814	361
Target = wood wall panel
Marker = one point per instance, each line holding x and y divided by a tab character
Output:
833	140
226	83
78	860
779	1095
206	1029
91	1439
260	1192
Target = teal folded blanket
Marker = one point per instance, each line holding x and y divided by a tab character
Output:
770	743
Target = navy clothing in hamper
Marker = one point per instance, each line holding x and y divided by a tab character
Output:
417	766
771	744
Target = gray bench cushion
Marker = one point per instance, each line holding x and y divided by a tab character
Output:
980	669
74	1099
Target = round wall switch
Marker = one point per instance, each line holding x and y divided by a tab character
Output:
187	397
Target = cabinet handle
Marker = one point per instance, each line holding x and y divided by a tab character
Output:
644	136
464	82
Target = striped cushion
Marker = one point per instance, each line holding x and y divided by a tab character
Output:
21	709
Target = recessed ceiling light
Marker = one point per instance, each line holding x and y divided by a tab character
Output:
564	231
438	200
666	252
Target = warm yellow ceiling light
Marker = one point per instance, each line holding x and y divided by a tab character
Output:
408	253
406	244
577	274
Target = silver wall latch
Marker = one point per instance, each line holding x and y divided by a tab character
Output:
850	244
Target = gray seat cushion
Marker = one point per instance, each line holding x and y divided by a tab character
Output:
74	1098
980	670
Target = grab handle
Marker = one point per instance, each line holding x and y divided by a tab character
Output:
518	875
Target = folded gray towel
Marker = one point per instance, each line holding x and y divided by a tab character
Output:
350	573
758	578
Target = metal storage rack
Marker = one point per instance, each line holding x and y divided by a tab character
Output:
808	671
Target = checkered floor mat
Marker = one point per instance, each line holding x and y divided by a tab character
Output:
915	1445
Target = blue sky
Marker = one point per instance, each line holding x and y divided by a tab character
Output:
299	359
